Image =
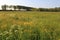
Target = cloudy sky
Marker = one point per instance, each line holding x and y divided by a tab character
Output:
32	3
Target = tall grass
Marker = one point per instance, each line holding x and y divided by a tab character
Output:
29	25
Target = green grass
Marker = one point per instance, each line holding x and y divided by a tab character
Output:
19	25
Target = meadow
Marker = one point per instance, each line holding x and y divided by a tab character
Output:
31	25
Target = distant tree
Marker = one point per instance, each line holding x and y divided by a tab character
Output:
18	7
4	7
11	6
34	9
14	7
57	9
42	9
28	8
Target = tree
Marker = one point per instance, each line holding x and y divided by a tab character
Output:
14	7
4	7
18	7
11	6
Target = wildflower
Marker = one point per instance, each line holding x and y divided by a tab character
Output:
16	30
1	33
6	32
27	23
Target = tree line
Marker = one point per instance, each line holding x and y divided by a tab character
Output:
56	9
15	7
18	7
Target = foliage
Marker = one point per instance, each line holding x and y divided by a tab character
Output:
18	25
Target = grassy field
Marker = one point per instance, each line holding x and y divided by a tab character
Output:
16	25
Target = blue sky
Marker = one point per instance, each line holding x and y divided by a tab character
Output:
32	3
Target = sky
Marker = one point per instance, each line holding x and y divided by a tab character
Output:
32	3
